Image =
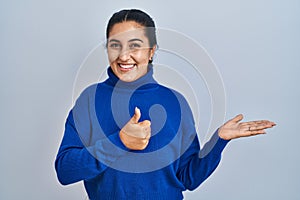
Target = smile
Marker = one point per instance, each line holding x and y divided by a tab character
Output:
126	67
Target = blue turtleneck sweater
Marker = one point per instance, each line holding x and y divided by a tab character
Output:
92	151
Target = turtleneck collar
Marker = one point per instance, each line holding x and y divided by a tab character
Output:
145	82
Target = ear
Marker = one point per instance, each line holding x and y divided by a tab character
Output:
152	51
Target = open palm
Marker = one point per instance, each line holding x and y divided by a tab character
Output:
235	129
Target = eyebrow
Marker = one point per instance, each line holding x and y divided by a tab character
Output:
136	39
132	40
113	40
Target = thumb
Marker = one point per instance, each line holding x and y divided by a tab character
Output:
137	115
237	118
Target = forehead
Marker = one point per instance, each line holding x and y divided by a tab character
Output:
127	30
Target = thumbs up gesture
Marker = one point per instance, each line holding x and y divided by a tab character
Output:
135	135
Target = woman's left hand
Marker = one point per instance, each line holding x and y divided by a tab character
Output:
235	129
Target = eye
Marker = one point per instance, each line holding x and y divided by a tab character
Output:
134	46
115	46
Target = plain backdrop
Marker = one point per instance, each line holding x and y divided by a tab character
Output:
255	45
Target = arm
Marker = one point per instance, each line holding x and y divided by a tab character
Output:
76	162
82	155
195	165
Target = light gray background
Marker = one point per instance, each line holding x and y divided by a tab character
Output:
255	45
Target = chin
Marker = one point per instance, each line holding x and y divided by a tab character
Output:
128	78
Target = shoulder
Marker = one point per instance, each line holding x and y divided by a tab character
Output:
86	95
179	96
90	90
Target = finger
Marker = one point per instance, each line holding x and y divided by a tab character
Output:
253	133
259	122
148	135
145	123
251	123
134	143
236	119
137	115
146	129
270	123
261	127
257	125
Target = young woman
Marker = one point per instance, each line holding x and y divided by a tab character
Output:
121	143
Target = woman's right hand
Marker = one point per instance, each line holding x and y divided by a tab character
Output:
135	135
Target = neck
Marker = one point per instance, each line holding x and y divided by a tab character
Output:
144	82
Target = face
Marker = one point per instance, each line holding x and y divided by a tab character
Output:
129	51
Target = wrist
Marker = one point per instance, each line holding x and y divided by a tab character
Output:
223	134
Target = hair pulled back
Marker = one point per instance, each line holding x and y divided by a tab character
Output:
137	16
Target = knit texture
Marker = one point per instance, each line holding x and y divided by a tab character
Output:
91	150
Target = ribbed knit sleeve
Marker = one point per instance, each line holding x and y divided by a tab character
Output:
80	157
197	165
75	162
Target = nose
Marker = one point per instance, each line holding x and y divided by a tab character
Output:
124	54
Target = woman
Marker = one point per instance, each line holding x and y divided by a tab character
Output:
116	127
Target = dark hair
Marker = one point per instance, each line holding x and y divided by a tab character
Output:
137	16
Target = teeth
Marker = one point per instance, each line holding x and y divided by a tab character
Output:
126	66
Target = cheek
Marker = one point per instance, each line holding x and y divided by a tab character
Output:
112	55
142	56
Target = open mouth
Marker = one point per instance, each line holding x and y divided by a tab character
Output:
126	67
